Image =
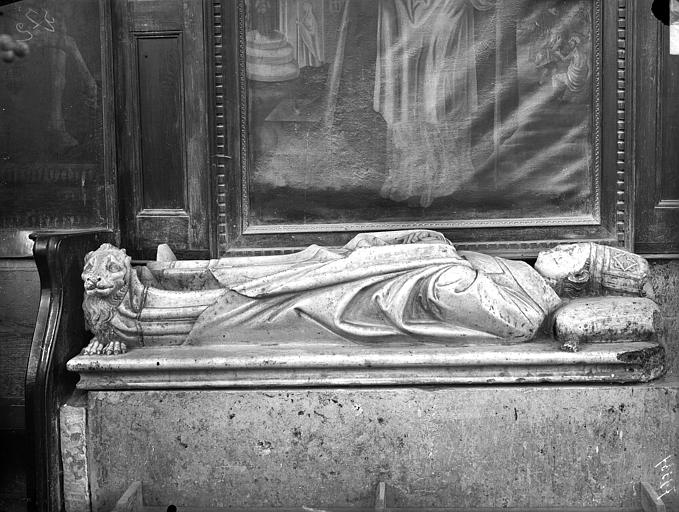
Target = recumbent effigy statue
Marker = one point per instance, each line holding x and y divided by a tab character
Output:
386	287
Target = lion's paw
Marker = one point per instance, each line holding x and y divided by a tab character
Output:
115	348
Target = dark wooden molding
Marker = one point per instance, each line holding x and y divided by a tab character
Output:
624	129
217	113
162	105
59	335
656	155
230	47
109	127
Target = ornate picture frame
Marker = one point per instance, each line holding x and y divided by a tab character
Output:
605	220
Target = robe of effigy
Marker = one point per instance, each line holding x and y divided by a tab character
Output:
405	292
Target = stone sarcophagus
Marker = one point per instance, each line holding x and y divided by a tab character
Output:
306	379
401	305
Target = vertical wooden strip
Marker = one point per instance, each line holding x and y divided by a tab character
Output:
108	114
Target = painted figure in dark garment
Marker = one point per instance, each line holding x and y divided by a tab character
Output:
263	19
549	57
309	32
577	76
46	27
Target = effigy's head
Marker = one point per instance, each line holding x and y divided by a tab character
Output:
587	268
565	267
106	271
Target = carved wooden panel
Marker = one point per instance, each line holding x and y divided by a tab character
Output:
657	150
161	106
160	88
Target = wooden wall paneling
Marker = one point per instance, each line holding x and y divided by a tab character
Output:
656	91
229	196
59	335
162	111
160	85
109	121
126	128
19	293
218	74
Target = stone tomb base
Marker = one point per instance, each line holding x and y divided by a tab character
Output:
320	425
507	446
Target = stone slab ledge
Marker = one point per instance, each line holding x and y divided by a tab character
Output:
254	365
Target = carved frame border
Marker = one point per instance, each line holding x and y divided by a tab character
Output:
611	223
624	175
218	114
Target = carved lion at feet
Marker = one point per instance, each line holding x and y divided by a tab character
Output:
106	277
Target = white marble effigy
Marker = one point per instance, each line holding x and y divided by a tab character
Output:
388	308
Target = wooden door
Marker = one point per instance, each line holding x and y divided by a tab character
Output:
657	132
160	67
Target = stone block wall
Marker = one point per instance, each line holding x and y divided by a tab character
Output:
665	280
493	446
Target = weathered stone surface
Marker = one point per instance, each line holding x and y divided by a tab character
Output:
73	425
253	364
131	500
464	447
606	319
665	282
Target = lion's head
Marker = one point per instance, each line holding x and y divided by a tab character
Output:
107	276
106	272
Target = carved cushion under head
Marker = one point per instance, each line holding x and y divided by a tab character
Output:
106	272
574	270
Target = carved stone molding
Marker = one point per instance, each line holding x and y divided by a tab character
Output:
219	117
263	365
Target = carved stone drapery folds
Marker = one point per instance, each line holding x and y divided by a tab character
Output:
380	292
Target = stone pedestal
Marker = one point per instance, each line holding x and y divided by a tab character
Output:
352	364
517	446
320	425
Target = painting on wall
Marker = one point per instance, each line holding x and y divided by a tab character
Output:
52	150
431	112
674	27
